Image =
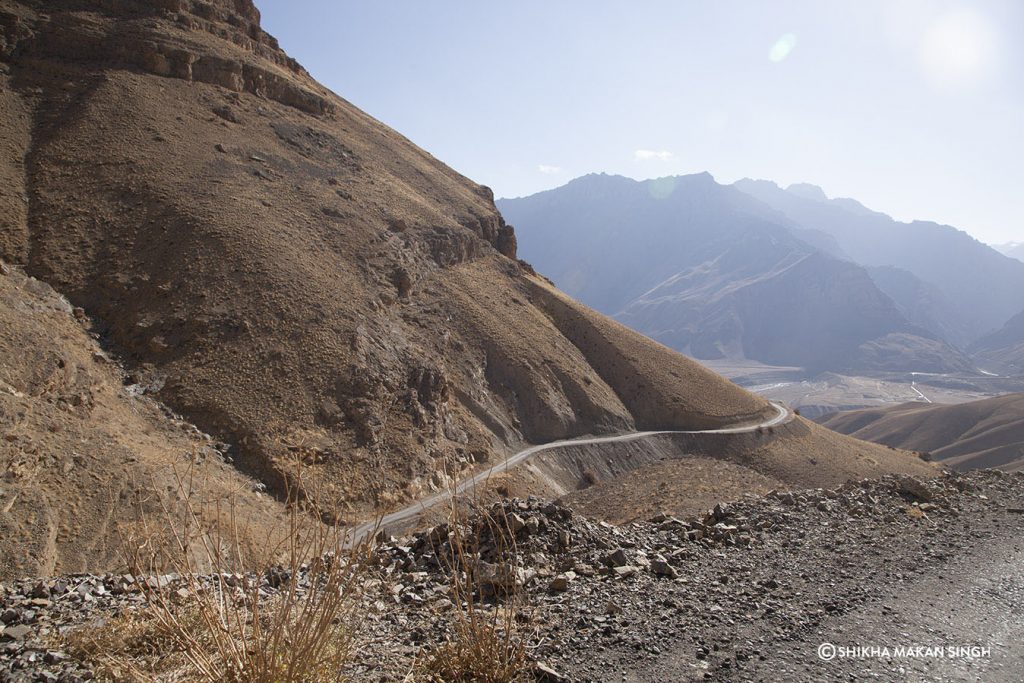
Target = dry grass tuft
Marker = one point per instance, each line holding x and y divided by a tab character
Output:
292	618
133	647
487	641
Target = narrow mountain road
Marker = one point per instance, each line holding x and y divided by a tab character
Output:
913	385
407	514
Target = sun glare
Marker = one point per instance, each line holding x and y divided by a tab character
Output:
958	49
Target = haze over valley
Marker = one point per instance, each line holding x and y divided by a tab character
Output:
287	396
818	301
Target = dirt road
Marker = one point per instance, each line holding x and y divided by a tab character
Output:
411	512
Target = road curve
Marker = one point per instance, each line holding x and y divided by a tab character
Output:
782	414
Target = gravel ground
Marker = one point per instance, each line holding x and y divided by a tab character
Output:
749	591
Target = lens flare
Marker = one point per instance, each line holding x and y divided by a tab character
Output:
782	47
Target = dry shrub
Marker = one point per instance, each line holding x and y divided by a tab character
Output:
291	618
487	639
132	647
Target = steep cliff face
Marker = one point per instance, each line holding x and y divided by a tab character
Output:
289	273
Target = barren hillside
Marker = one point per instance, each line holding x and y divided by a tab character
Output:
81	453
291	275
1003	350
284	270
986	433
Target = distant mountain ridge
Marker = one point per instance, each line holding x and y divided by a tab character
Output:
981	287
712	271
1011	249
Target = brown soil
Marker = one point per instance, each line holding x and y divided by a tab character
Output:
986	433
289	275
681	487
79	454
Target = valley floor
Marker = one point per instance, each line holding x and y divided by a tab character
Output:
815	395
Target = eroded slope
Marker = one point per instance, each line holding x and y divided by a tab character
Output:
286	271
81	456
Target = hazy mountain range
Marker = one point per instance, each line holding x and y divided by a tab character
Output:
782	276
1011	249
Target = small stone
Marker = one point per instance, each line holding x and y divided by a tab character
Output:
627	570
226	113
220	148
516	523
617	558
544	673
787	499
661	567
915	488
15	632
561	582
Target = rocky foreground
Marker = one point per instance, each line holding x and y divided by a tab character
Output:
750	591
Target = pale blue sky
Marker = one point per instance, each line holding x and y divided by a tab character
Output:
914	107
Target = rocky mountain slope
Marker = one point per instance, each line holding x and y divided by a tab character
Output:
288	272
922	304
292	277
713	273
981	286
1003	350
985	433
82	454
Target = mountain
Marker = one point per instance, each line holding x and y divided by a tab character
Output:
1011	249
82	452
923	304
985	433
290	272
981	287
1003	350
293	279
712	272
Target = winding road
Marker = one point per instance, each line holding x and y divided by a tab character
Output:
399	517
